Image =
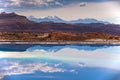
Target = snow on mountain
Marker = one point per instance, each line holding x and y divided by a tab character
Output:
59	20
88	20
46	19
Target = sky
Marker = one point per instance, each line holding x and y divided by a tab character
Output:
100	57
106	10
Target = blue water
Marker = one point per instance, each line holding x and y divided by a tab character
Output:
45	68
23	47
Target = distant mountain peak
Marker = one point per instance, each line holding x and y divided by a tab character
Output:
50	17
13	22
53	17
12	18
46	19
5	13
59	20
88	21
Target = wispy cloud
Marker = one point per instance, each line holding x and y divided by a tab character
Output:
1	10
100	58
18	68
83	58
83	4
29	3
42	4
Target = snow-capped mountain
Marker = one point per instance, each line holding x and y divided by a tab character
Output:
59	20
46	19
12	22
88	20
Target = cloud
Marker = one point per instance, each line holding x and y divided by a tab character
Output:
100	58
115	20
41	4
41	77
18	68
1	76
1	10
83	58
29	3
83	4
106	11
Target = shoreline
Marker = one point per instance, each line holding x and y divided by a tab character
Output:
61	42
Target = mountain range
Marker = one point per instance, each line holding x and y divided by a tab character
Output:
12	22
46	19
59	20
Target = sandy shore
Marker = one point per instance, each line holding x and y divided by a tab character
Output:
66	42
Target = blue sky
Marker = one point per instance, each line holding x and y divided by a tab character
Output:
66	9
101	57
41	4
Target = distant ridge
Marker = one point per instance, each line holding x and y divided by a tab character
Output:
46	19
12	22
59	20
